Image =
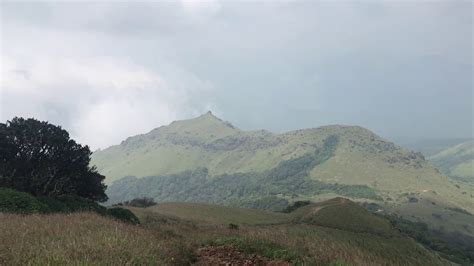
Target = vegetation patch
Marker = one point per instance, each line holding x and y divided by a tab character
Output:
261	247
123	215
453	246
13	201
296	205
19	202
138	202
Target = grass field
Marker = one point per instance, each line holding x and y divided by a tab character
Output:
175	234
83	239
214	214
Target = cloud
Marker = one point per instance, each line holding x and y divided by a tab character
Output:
100	100
108	70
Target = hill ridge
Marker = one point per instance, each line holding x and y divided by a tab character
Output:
361	165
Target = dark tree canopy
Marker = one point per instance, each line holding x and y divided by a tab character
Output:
40	158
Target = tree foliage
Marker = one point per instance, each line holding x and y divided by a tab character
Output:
40	158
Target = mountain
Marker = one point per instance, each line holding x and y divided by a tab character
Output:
456	161
206	159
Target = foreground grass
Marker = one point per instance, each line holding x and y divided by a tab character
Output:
297	240
84	239
90	239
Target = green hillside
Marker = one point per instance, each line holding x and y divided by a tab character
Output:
208	160
456	161
335	232
430	146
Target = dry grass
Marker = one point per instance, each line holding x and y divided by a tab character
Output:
83	239
323	246
315	245
90	239
214	214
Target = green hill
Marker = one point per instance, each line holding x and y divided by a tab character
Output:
208	160
430	147
456	161
318	233
334	232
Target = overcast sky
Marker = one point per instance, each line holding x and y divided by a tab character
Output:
108	70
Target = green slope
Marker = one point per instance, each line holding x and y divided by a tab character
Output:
206	159
178	233
319	233
456	161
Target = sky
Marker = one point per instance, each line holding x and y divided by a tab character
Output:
107	70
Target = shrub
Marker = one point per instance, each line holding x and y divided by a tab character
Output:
67	204
19	202
123	215
233	226
296	205
412	199
141	202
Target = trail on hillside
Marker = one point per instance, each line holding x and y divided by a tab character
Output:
227	255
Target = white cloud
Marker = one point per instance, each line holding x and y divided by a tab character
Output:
100	100
200	8
108	70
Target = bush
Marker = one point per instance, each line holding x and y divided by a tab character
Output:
19	202
296	205
232	226
123	215
68	204
141	202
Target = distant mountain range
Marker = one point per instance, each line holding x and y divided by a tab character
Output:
206	159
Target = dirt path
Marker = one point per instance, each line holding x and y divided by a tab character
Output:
226	255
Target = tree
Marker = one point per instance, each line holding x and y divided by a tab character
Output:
40	158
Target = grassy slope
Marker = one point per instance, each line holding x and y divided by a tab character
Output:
456	161
361	158
178	231
82	239
429	210
358	160
320	232
214	214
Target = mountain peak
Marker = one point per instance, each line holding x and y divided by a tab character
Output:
209	115
206	126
